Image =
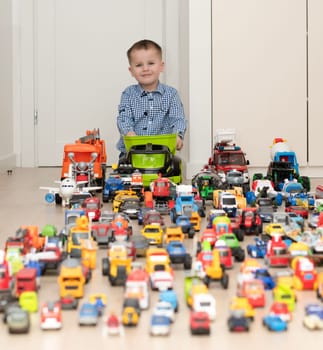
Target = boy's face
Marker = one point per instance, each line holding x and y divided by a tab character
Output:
145	67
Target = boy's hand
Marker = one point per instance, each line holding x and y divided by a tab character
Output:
179	143
131	133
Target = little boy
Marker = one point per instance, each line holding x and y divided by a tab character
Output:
149	107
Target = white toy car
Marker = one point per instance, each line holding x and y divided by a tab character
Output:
164	308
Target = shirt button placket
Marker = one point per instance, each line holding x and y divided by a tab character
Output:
151	107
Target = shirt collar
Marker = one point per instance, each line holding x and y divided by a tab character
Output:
160	89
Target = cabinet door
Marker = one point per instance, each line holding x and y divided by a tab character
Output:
315	81
259	74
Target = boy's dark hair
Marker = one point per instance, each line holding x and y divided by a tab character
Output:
143	44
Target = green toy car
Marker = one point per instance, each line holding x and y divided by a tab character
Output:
231	241
151	156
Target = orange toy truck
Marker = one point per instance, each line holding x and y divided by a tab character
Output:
85	160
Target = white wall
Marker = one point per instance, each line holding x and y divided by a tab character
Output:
7	157
190	51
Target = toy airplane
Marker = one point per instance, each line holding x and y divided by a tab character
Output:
67	188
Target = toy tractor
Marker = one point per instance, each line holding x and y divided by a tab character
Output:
152	156
216	271
117	265
206	181
284	165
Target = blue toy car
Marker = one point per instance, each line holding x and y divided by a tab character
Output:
112	184
316	309
185	204
184	222
171	297
178	254
299	220
88	315
264	275
160	325
257	250
295	194
274	323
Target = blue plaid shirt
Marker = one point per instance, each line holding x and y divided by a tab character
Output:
150	113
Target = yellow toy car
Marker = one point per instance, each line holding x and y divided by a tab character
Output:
128	202
154	233
173	233
28	301
242	303
274	228
130	316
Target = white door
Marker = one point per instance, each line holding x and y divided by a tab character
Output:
81	67
259	74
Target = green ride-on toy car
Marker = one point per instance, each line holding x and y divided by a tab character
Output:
152	156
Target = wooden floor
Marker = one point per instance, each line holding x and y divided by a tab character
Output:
22	203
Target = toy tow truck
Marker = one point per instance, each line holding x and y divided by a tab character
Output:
227	156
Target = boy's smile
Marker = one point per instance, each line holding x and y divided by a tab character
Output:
145	67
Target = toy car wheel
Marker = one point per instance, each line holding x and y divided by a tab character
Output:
305	181
187	262
240	254
201	212
191	233
198	248
173	215
105	266
225	281
240	235
206	280
259	230
58	199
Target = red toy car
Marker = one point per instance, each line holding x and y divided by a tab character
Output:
280	309
305	275
92	207
226	257
51	316
250	221
297	209
209	235
152	217
200	322
205	257
254	291
69	302
277	252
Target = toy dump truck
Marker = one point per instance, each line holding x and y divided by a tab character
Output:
85	160
152	156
